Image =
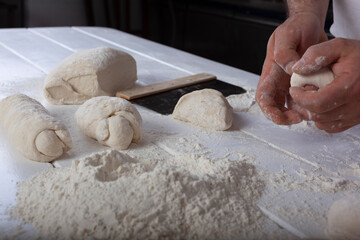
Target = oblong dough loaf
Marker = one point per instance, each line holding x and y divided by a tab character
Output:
112	121
89	73
319	79
35	133
205	108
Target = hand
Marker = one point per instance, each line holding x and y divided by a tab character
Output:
336	107
288	42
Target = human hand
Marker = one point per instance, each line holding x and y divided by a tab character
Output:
288	42
336	107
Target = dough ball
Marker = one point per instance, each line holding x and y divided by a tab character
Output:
344	219
205	108
319	79
112	121
89	73
34	132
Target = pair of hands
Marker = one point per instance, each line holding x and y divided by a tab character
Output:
300	45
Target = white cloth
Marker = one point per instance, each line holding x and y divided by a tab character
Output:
346	19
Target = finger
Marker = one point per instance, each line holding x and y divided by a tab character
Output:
333	127
268	99
304	113
266	93
318	56
285	51
325	99
271	108
333	115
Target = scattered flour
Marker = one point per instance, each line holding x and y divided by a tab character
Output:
242	102
312	181
110	195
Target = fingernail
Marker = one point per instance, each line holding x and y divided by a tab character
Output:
299	64
308	114
289	66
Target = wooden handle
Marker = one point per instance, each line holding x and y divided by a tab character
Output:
165	86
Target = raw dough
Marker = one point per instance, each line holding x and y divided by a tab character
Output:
344	219
112	121
90	73
205	108
30	127
319	79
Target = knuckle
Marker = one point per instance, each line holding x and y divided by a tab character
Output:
317	107
340	41
312	52
279	56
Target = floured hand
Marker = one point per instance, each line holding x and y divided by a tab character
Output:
288	42
335	107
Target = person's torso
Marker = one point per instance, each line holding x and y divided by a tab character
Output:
346	19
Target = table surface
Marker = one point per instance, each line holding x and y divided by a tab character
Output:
28	55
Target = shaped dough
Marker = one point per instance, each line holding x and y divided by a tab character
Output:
30	127
319	79
344	219
112	121
89	73
205	108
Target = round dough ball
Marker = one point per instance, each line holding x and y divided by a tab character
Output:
89	73
112	121
205	108
319	79
344	219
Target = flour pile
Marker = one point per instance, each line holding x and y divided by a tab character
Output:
110	195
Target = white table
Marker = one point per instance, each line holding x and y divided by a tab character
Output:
28	55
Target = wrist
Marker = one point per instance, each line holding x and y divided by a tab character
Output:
308	15
316	8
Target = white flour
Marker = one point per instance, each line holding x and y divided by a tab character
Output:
110	195
242	102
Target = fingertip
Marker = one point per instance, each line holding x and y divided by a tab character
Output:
292	117
304	68
288	117
289	67
286	62
298	65
295	92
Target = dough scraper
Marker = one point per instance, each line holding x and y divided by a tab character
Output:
162	97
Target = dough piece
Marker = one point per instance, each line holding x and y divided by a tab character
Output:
344	219
112	121
89	73
319	79
29	126
205	108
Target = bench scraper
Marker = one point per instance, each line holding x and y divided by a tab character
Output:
162	97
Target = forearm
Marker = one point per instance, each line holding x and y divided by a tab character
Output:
317	7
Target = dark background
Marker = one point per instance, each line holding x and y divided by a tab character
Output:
233	32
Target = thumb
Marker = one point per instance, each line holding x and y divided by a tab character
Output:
317	57
285	54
